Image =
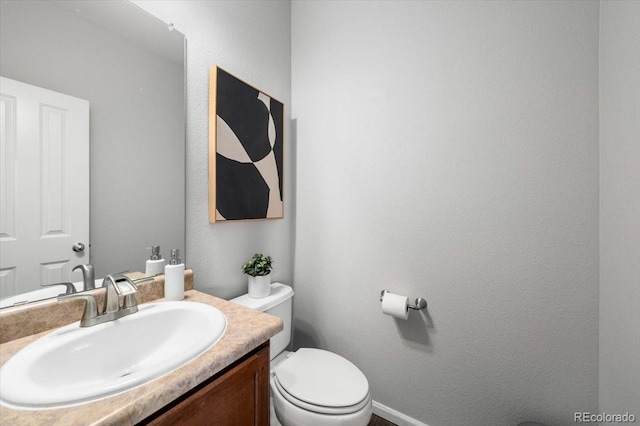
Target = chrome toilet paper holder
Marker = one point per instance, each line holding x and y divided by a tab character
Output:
420	302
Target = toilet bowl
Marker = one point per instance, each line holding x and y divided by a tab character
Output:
310	386
317	387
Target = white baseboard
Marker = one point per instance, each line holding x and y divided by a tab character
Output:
394	416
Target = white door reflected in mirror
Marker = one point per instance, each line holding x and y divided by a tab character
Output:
39	229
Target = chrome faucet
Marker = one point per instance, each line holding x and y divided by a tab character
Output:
116	285
88	277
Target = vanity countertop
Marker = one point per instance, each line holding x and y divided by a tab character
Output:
246	330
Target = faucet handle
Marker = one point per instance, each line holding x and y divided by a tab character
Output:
129	293
90	309
123	284
130	302
69	287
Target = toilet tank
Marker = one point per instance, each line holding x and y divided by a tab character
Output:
279	304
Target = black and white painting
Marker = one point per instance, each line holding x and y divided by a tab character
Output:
246	172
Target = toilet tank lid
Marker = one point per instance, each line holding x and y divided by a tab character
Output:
279	293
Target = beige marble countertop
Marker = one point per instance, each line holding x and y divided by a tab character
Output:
246	330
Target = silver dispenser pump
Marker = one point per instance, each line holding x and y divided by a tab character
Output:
175	257
155	253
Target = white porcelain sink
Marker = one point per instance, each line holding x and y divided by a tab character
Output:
74	365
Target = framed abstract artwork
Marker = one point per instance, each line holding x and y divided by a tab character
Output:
246	155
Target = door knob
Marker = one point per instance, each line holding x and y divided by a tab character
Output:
78	247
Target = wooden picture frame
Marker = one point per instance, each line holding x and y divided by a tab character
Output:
246	151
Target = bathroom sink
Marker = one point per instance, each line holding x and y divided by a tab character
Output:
74	365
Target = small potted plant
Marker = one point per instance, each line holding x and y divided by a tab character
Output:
259	271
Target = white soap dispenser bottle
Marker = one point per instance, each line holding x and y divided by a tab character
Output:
174	277
155	264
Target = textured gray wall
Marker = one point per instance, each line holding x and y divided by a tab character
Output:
137	125
252	41
446	150
449	150
620	207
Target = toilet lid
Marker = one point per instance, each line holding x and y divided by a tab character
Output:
322	378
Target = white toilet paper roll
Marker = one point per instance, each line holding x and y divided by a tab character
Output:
395	305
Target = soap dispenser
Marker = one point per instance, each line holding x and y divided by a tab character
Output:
174	277
155	264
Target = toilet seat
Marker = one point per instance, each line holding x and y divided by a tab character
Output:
322	382
320	409
289	414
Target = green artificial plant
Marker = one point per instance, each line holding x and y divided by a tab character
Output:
258	266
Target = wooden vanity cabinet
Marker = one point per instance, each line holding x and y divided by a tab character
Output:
236	396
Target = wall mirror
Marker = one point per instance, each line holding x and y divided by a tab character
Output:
129	68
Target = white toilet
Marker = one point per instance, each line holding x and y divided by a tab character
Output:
310	386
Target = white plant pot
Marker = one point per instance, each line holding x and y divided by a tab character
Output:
259	287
